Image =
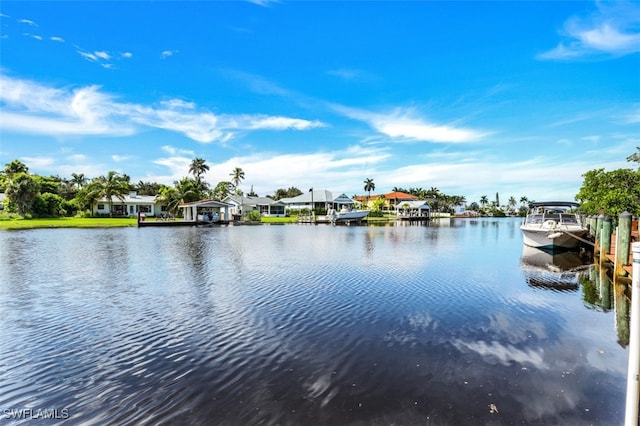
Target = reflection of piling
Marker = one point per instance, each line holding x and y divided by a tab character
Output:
633	373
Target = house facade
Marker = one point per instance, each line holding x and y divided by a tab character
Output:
130	205
413	209
391	200
319	199
241	205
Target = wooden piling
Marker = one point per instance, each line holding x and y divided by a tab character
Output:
605	239
623	244
598	234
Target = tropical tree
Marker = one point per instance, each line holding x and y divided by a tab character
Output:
78	180
635	157
484	200
614	192
369	186
16	166
109	186
237	176
198	168
512	202
524	200
22	189
222	190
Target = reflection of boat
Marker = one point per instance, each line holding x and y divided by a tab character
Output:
551	225
552	269
346	215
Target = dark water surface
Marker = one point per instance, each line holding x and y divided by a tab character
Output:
300	325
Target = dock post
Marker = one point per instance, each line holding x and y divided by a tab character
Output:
633	372
598	235
622	244
605	239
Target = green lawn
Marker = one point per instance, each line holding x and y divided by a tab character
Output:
67	222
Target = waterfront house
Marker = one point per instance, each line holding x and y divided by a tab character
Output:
2	198
391	200
130	205
242	205
413	209
319	199
206	211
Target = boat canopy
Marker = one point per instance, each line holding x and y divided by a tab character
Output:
554	204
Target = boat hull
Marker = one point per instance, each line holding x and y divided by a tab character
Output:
552	238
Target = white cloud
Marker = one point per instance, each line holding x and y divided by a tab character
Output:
102	55
127	55
37	109
28	22
56	38
613	30
167	53
120	158
403	124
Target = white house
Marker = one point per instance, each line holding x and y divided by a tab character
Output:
241	205
131	205
319	198
413	209
2	198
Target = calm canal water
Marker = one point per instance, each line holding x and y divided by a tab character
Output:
300	325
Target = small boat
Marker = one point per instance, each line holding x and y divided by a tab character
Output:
346	215
553	225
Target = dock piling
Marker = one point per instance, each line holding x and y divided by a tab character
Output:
633	372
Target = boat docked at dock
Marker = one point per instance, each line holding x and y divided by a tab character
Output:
553	225
346	215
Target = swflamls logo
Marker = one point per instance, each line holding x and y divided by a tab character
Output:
36	413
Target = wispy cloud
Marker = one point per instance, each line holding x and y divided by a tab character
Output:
404	124
263	3
37	109
168	53
614	30
56	38
28	22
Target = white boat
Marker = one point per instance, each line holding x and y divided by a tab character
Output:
553	225
346	215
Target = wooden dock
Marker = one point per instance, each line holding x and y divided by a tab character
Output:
607	241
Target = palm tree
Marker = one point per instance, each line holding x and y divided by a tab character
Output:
524	200
78	179
198	168
112	185
484	200
237	176
512	202
369	186
16	166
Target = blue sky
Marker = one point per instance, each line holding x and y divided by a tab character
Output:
472	98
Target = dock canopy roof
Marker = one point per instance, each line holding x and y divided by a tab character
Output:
554	204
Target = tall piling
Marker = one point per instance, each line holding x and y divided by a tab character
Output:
605	238
633	372
622	244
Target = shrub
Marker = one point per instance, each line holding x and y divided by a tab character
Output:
253	216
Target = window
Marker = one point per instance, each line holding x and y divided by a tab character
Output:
100	206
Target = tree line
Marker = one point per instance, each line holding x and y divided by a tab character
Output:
609	192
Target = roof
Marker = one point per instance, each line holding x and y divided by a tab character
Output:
554	204
415	204
206	203
252	201
131	198
319	196
397	195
